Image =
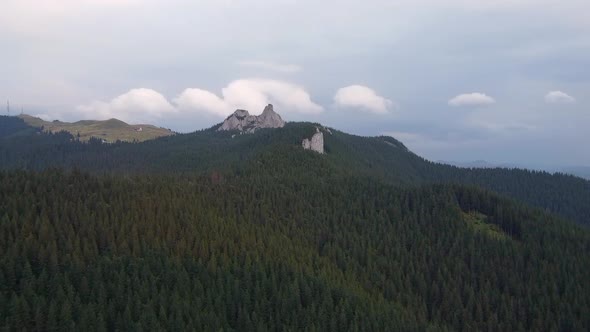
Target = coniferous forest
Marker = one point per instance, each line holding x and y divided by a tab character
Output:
209	232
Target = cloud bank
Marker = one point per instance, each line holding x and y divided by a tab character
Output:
146	105
254	94
249	94
137	105
199	100
559	97
362	97
471	99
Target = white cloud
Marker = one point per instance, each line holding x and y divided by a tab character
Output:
558	97
193	99
265	65
137	105
257	93
146	105
252	95
471	99
358	96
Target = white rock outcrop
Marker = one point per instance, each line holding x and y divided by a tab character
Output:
315	143
242	121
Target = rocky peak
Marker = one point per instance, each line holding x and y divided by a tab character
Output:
268	109
315	143
242	121
241	114
270	118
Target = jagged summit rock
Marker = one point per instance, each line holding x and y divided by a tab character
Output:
242	121
315	143
270	118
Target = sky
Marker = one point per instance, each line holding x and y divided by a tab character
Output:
458	80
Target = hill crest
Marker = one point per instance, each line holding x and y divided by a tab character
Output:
242	121
110	130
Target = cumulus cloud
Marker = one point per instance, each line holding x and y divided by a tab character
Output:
471	99
137	105
272	66
362	97
252	95
257	93
559	97
146	105
193	99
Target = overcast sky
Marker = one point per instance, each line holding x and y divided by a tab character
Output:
504	81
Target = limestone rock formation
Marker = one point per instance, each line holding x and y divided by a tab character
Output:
242	121
315	143
270	119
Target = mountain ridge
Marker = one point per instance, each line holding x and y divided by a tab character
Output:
110	130
279	152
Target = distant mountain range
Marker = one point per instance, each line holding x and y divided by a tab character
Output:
581	171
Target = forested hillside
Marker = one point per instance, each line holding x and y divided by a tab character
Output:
382	158
84	252
219	231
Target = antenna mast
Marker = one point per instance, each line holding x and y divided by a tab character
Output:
8	107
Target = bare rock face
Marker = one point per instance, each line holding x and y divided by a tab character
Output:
242	121
270	119
315	143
